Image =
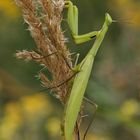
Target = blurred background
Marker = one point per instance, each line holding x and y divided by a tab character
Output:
27	114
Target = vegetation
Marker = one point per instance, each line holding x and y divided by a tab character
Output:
27	113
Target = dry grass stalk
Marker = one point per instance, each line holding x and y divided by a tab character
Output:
44	19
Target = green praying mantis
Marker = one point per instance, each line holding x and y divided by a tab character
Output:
81	79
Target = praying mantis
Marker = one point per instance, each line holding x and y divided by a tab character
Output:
81	79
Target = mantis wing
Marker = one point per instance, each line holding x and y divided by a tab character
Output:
76	96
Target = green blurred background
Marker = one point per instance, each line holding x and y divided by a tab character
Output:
27	114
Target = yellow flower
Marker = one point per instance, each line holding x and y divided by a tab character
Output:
129	108
53	126
36	104
9	8
11	121
128	9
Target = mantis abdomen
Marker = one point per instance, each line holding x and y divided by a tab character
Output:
76	96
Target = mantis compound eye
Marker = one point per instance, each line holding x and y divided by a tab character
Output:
108	19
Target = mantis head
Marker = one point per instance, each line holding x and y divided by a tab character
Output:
108	19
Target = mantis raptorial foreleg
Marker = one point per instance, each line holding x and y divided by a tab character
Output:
73	24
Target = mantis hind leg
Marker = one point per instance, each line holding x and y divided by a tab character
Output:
73	24
96	107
